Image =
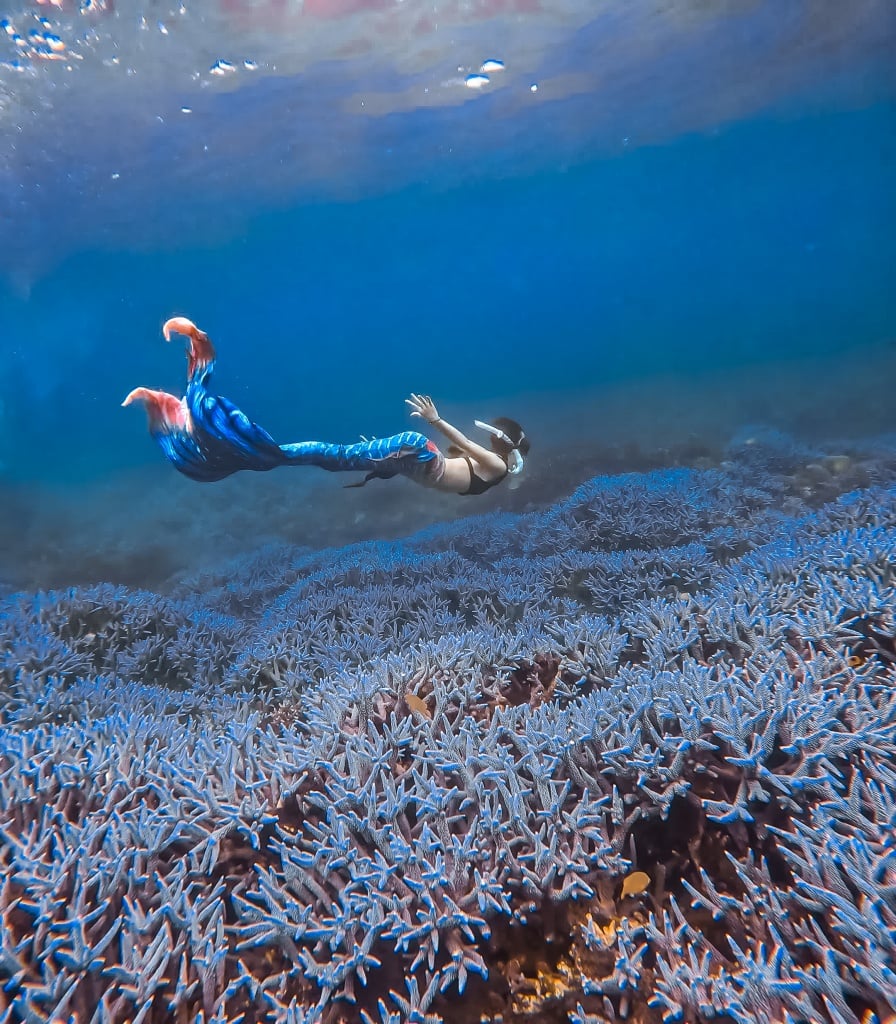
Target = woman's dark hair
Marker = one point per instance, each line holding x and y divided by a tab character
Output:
516	434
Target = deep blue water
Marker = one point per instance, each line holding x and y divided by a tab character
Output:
764	240
687	228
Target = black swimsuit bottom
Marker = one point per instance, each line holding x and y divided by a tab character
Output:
477	484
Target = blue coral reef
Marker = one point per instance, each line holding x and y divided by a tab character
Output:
630	757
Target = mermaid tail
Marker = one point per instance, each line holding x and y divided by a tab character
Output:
223	427
218	434
226	431
207	437
171	429
407	454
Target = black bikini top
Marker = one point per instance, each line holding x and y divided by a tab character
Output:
477	484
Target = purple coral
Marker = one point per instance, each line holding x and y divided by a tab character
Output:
349	784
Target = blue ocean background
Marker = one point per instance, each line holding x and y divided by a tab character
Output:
657	225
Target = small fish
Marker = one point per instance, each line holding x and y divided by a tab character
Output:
634	883
476	81
222	67
488	66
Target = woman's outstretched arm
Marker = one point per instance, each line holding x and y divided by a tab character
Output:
424	407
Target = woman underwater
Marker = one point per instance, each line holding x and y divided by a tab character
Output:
207	437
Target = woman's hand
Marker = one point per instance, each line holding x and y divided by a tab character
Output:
424	407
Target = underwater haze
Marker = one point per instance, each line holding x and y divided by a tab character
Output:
656	220
599	725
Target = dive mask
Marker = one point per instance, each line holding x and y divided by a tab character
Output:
514	459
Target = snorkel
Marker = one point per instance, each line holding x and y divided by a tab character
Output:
514	458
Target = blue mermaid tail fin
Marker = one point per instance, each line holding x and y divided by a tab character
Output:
230	439
171	429
225	428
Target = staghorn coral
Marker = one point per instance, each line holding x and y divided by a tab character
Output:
405	782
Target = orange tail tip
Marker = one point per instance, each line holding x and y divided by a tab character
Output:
165	412
179	325
201	351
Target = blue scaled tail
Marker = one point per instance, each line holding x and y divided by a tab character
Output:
206	437
407	454
228	437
